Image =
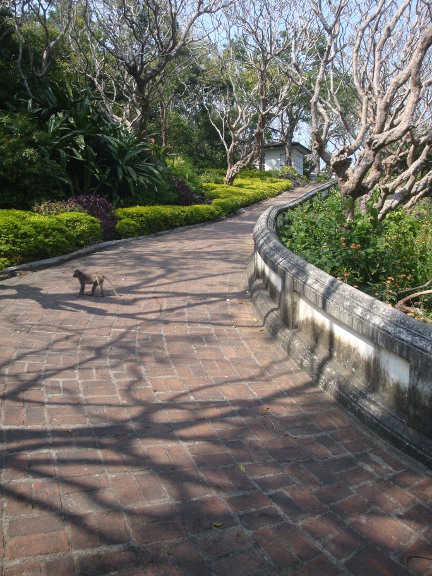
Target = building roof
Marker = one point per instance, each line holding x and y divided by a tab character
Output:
300	147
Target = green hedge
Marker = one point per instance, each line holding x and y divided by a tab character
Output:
143	220
25	236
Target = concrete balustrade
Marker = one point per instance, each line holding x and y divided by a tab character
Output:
370	357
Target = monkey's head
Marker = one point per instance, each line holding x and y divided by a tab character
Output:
77	274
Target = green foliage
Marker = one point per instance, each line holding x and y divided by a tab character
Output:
143	220
224	200
51	208
213	176
284	172
181	185
191	134
85	229
128	228
26	237
64	145
26	173
182	167
9	80
379	258
128	174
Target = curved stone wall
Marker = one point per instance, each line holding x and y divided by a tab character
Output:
370	357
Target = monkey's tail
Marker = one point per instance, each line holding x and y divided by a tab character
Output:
112	286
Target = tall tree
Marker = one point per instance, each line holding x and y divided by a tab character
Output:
377	55
142	38
255	39
40	27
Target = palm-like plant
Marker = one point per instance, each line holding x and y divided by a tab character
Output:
129	171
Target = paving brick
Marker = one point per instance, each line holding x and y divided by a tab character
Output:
277	549
417	517
324	526
60	567
103	562
126	490
249	501
333	493
41	524
246	563
276	482
374	494
140	441
19	499
350	507
423	490
320	566
200	515
344	544
287	505
220	542
298	543
258	518
385	532
320	471
187	559
305	499
36	544
372	562
24	569
356	476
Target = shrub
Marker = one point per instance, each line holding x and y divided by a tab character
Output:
181	167
55	207
186	196
101	209
379	258
84	228
127	228
25	236
223	200
26	173
212	176
284	172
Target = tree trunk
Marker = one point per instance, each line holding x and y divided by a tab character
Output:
288	148
234	168
163	124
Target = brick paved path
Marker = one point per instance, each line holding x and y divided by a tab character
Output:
168	435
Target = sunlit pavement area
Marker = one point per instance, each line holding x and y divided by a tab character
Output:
165	433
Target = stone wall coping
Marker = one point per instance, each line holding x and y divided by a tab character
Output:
277	276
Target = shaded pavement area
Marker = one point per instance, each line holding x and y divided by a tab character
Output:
167	434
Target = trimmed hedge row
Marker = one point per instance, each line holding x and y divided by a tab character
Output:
143	220
26	236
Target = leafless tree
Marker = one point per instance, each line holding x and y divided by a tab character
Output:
377	57
256	38
142	38
35	20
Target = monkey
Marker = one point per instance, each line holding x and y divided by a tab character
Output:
95	280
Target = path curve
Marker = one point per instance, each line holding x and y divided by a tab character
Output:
167	434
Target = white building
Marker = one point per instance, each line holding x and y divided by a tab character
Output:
274	155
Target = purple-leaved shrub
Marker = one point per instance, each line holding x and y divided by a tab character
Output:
100	208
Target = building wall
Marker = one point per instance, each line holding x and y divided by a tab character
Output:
275	158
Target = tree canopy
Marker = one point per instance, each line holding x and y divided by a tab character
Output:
217	79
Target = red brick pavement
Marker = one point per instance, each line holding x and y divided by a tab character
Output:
168	435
